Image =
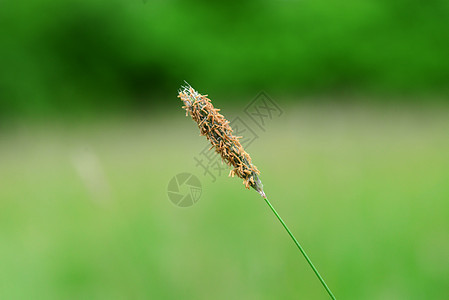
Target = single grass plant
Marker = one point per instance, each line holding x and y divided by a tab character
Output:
215	127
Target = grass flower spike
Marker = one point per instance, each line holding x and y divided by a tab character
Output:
216	128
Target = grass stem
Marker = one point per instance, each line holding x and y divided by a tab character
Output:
301	249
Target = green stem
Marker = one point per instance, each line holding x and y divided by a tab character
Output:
301	249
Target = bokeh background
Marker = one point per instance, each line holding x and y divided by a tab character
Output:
91	132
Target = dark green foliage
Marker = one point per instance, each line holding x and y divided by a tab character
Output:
92	55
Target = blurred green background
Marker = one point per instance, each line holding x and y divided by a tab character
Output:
91	132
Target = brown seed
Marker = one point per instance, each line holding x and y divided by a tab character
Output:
216	128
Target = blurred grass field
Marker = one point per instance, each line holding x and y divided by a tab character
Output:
84	212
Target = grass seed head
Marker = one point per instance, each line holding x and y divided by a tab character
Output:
216	128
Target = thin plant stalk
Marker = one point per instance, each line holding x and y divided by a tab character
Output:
300	249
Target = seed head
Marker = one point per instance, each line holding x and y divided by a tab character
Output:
216	128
